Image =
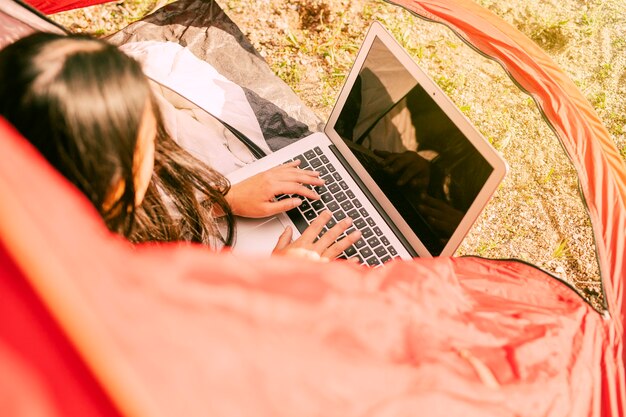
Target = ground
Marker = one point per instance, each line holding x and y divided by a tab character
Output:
537	214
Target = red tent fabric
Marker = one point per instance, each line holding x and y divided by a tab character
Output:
191	332
43	375
172	331
186	331
52	6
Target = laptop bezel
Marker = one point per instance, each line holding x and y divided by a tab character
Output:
378	31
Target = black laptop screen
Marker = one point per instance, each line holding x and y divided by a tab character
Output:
422	162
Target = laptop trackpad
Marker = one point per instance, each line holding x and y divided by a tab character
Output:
258	236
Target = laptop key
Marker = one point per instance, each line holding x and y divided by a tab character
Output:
359	223
371	222
333	206
327	197
380	251
318	205
357	204
330	167
367	232
315	162
298	220
328	178
373	242
353	214
385	240
339	215
347	205
378	231
318	150
324	159
373	261
309	154
363	212
337	176
320	189
331	223
359	243
385	259
322	171
301	158
392	251
366	252
340	196
343	185
350	251
304	206
333	188
350	194
310	215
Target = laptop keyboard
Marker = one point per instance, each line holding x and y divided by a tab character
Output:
373	248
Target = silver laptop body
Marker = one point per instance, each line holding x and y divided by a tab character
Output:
388	109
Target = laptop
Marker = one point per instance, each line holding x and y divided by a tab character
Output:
398	157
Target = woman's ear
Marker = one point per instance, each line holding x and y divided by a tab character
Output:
114	195
143	161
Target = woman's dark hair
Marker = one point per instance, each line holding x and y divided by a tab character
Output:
80	101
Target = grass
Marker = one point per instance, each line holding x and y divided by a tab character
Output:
561	251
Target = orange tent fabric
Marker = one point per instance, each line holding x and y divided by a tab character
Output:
180	331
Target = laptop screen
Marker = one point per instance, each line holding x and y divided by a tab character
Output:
425	165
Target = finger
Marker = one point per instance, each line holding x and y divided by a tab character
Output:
335	250
284	239
295	188
314	229
275	207
301	176
288	168
290	164
333	233
291	168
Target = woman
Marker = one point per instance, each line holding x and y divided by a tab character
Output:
89	109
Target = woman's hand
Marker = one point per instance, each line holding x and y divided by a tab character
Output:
325	248
254	197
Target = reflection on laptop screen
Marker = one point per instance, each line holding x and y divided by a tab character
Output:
418	157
